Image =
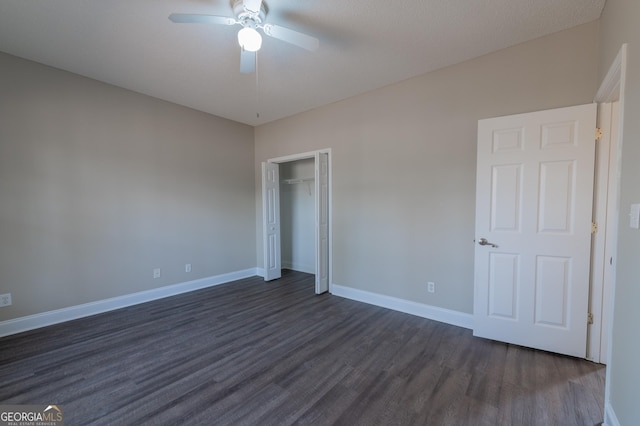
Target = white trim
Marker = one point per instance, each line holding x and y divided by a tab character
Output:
609	90
602	239
435	313
613	88
260	272
610	418
330	160
301	156
18	325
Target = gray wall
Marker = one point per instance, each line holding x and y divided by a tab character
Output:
619	24
403	162
99	185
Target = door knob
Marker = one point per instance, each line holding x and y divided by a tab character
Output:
484	242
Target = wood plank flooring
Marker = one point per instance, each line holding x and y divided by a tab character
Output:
255	353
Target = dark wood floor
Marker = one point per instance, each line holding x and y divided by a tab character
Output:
260	353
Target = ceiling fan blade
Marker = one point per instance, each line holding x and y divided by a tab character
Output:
252	5
187	18
290	36
247	62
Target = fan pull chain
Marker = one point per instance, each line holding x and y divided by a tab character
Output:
257	89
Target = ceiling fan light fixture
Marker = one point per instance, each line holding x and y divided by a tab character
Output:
249	39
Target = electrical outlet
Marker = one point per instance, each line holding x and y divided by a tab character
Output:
431	287
187	267
5	299
156	273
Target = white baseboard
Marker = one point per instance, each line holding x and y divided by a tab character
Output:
18	325
435	313
610	418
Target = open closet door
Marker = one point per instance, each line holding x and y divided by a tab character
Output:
271	221
322	222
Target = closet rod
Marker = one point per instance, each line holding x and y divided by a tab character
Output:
299	180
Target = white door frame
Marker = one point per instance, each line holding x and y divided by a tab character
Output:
606	208
603	242
305	156
612	89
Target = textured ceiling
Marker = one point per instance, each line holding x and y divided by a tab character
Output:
364	44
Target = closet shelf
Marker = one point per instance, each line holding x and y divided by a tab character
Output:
299	180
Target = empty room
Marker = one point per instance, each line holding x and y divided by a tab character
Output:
278	212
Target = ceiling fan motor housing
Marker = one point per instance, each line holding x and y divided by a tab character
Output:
247	17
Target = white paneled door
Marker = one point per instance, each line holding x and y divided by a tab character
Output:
533	228
271	220
322	222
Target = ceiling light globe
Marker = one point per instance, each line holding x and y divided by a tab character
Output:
249	39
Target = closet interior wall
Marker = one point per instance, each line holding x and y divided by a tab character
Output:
297	215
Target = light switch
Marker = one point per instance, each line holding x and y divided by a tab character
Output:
634	216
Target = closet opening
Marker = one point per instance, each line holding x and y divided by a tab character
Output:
296	215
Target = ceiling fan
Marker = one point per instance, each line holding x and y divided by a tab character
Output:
250	14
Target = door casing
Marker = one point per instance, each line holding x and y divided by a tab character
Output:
602	290
612	89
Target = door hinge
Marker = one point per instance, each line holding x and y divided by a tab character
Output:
594	227
598	133
589	318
